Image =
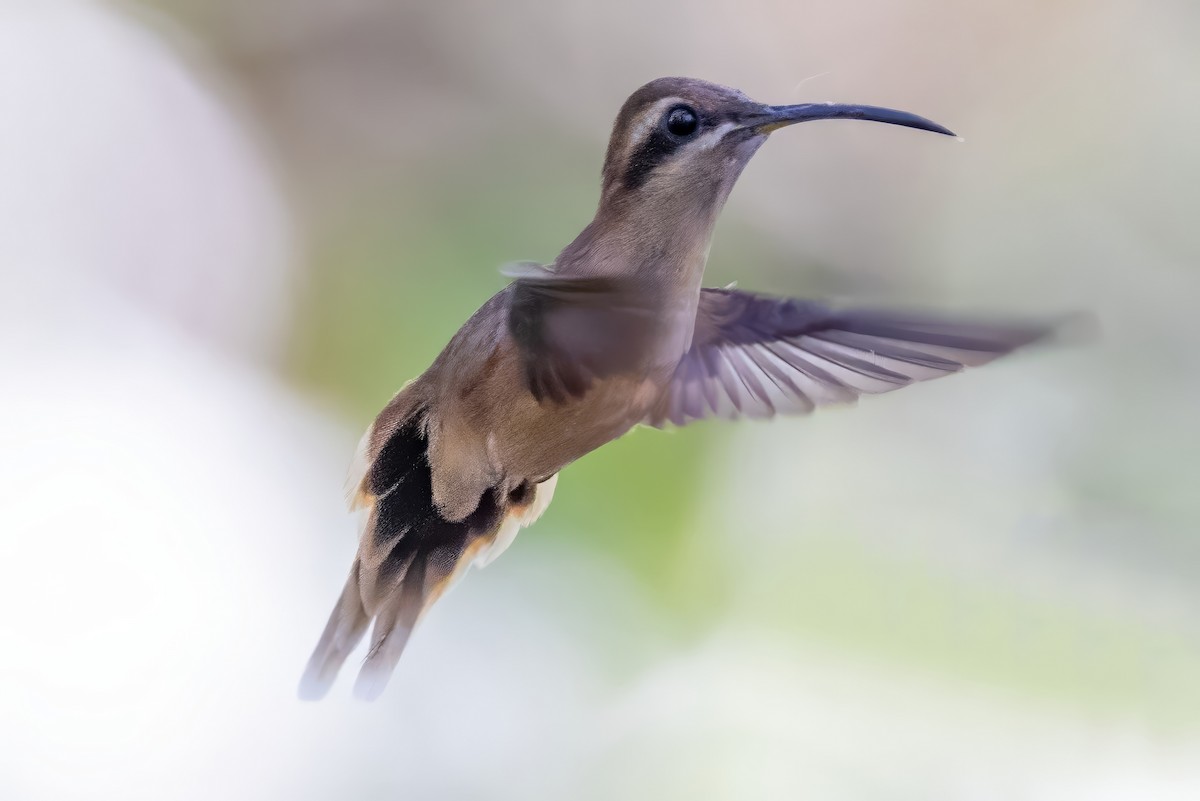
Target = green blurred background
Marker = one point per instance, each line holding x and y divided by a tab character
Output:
984	587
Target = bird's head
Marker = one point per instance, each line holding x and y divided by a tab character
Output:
683	142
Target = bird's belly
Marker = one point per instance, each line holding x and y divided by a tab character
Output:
541	438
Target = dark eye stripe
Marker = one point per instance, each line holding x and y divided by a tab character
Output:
653	150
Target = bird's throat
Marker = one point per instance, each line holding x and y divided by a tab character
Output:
662	244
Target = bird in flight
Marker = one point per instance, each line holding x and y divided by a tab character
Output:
615	332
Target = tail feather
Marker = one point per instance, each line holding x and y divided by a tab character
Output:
347	625
429	573
393	626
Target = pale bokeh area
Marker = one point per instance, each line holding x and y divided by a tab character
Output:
232	229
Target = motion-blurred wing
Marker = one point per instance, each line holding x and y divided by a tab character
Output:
574	330
756	356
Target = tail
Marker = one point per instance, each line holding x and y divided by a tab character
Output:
409	555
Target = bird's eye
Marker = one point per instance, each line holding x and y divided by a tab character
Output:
682	121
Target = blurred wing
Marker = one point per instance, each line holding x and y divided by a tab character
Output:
756	356
574	330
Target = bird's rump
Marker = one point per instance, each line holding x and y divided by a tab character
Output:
755	355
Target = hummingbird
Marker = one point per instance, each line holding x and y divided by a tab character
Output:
618	331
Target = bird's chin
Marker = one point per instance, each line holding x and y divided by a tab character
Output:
749	145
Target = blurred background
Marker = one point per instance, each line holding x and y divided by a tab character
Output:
231	230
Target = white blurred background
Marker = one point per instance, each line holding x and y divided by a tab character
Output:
231	230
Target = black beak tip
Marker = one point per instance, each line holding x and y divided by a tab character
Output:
901	118
942	129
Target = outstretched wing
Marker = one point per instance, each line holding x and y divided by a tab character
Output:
756	356
573	330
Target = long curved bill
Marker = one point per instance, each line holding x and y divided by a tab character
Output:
771	118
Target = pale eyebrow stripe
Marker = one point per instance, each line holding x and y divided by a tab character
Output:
647	122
